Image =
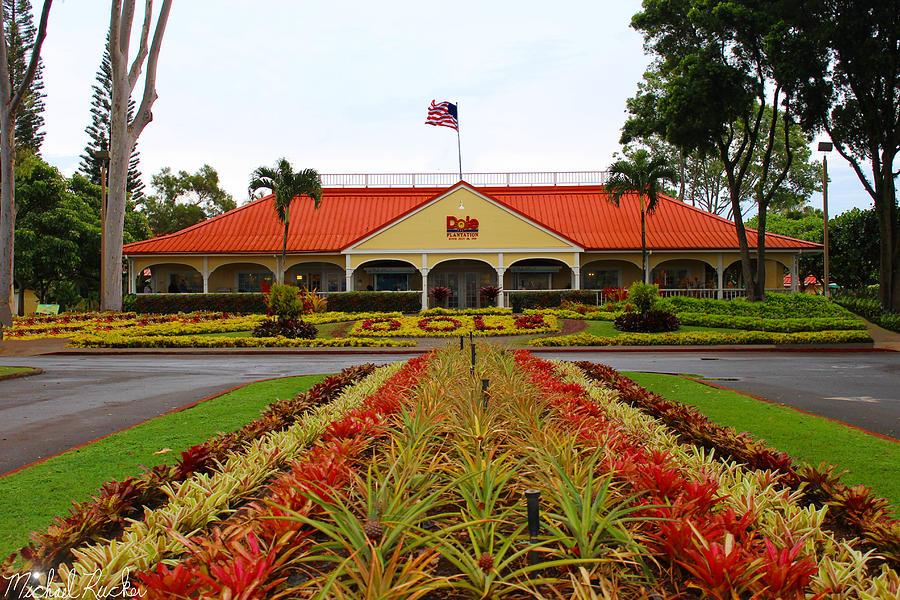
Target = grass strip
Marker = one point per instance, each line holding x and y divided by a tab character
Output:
12	370
29	499
872	461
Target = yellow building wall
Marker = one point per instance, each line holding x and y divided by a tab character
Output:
497	228
413	260
296	259
568	258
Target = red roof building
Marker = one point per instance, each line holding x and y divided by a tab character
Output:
463	237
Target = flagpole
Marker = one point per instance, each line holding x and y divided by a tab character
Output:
458	147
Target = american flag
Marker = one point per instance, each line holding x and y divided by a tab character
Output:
442	113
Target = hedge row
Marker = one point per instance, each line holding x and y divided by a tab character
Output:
406	302
871	310
786	325
775	306
522	300
706	338
184	303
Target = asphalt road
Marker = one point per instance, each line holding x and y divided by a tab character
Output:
80	397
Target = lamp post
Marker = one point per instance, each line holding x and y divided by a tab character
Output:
103	157
825	147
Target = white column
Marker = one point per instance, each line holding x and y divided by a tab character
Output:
720	274
424	271
500	272
795	273
349	277
576	278
647	268
131	276
205	274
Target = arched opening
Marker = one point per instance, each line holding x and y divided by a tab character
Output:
170	278
464	278
320	276
388	276
601	274
539	274
243	277
685	277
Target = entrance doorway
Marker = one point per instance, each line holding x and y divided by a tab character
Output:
464	285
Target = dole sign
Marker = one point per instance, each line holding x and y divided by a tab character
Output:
462	228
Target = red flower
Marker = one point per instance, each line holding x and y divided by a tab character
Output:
426	324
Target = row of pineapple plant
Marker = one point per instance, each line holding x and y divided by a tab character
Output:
419	493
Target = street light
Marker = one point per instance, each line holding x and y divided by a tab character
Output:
103	157
825	147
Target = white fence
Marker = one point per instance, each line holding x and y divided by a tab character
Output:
364	180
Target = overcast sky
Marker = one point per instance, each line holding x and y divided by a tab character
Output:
343	87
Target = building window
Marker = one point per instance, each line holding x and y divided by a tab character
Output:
254	281
391	282
181	282
534	281
598	279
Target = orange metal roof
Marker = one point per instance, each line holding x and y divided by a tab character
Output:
579	213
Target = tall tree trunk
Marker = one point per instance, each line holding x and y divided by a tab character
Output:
7	208
759	285
889	249
10	99
643	241
124	134
284	245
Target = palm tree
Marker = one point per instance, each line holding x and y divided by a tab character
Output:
286	186
642	175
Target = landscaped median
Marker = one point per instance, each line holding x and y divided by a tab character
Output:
118	340
706	339
413	484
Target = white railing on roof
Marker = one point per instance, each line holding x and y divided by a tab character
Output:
480	179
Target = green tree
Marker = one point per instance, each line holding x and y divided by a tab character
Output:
717	73
183	199
807	224
853	242
643	176
99	131
20	32
845	56
56	229
286	185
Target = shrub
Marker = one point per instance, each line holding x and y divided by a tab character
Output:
522	300
440	293
406	302
643	295
289	328
490	293
184	303
866	304
285	302
614	294
651	321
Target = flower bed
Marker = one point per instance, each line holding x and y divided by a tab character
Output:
117	340
416	489
459	324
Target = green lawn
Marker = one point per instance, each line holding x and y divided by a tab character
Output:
871	460
30	498
11	370
606	329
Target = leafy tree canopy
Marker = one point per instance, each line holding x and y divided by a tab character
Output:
183	199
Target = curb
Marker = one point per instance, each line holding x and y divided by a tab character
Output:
861	347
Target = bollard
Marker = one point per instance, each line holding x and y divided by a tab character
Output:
533	499
484	395
473	360
461	338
